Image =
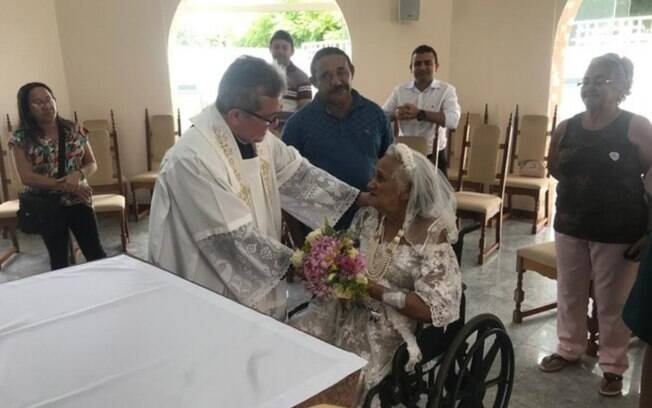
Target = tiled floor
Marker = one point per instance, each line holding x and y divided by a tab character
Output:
490	289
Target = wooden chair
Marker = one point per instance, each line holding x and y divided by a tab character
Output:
159	137
531	145
108	193
456	142
11	186
542	259
482	147
419	143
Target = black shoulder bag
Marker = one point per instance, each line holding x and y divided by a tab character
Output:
39	211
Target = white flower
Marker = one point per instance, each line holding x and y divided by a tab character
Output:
342	293
313	235
297	258
361	279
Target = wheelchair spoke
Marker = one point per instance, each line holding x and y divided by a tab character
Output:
489	359
492	383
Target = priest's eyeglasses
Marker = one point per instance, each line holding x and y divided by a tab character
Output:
595	82
269	123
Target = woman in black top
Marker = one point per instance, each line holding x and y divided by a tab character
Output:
599	157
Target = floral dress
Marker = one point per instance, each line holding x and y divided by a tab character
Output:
374	330
45	158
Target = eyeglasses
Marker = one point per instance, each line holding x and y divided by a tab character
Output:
269	123
595	82
41	104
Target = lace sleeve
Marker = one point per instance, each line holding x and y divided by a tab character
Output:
248	263
312	195
438	282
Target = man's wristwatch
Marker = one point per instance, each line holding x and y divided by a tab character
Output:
421	115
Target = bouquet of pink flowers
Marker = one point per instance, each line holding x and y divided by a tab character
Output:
331	265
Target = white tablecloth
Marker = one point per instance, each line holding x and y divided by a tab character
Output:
123	333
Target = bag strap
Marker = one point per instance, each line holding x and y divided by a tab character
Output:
62	151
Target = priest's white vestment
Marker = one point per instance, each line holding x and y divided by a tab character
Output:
215	217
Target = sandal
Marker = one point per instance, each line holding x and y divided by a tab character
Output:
554	363
611	385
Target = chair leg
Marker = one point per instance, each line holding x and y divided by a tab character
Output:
482	239
548	207
535	222
519	294
126	221
593	326
123	231
134	205
14	238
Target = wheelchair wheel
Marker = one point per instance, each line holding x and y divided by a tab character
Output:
478	368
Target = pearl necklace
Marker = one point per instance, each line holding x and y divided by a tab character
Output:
374	273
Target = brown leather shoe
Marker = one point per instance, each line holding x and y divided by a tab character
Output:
611	385
554	363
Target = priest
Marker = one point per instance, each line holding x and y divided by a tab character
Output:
215	217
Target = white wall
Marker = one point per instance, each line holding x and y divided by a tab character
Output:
115	55
31	51
502	53
382	45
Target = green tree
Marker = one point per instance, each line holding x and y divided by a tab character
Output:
303	25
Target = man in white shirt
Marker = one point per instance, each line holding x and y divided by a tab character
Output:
425	103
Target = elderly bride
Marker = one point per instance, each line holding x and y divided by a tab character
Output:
406	236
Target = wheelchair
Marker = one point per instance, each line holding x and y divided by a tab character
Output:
467	364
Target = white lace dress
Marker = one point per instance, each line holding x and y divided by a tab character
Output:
374	330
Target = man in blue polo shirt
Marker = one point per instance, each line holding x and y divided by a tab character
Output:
340	131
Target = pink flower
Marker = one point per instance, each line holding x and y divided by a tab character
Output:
331	265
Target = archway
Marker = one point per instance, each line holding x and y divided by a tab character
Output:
207	35
588	28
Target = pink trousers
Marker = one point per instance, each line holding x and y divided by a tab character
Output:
578	262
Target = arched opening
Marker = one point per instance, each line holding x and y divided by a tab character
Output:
207	35
589	28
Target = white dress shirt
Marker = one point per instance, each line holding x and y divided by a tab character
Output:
438	97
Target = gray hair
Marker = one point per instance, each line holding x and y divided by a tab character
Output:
621	69
431	195
245	80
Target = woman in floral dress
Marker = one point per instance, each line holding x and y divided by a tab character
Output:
35	146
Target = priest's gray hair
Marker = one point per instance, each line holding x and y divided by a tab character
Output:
245	80
431	195
621	68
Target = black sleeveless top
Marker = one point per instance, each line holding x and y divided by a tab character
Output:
600	195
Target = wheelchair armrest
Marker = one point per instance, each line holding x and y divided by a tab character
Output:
458	246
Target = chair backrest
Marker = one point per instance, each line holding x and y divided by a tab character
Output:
107	156
418	143
12	185
455	144
100	141
160	137
532	138
483	150
97	124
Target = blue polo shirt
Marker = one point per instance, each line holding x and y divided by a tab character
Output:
347	148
